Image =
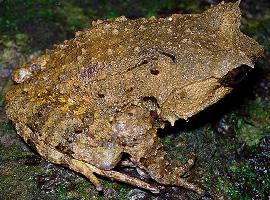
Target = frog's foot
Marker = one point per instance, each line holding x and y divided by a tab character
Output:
181	170
173	176
181	182
87	170
156	163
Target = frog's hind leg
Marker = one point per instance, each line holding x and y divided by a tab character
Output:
57	157
89	170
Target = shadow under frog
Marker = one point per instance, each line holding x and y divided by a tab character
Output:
107	91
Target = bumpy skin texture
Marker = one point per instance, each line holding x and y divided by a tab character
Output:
105	92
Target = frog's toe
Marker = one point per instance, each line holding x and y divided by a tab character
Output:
191	186
82	168
186	167
88	170
123	178
180	171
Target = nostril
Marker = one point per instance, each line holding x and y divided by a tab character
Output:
235	76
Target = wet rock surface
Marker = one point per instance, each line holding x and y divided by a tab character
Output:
231	144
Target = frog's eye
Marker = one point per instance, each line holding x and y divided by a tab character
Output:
235	76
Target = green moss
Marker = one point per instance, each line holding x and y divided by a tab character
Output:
21	39
106	184
252	127
1	96
259	28
224	185
63	194
6	126
254	182
121	188
122	194
18	180
74	17
83	187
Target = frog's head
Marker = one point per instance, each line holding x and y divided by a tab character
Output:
239	52
231	56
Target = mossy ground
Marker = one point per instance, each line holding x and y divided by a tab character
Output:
231	139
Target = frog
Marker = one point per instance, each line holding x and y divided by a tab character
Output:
96	101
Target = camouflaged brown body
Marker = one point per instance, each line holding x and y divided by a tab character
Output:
106	91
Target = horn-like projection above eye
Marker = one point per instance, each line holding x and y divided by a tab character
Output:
235	76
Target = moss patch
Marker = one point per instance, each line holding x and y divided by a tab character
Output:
252	127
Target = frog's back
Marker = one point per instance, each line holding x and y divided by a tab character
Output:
117	63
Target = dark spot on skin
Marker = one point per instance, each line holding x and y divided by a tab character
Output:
151	98
154	114
64	148
88	72
130	114
235	76
171	56
35	66
129	89
182	94
101	95
144	62
70	140
154	71
88	117
78	130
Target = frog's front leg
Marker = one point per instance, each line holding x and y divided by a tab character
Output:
134	131
154	160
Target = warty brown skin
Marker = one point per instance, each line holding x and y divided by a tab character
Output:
105	92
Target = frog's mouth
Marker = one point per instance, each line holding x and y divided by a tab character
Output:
235	76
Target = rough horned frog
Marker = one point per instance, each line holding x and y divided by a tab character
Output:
107	91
